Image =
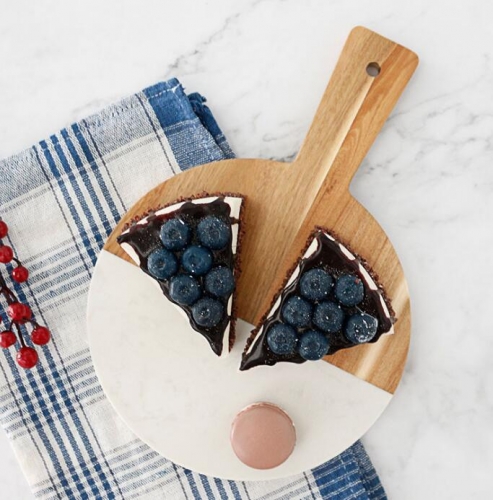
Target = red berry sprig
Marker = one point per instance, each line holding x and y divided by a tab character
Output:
19	314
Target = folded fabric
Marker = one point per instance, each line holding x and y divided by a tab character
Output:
61	198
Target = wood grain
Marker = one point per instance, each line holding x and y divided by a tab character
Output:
286	201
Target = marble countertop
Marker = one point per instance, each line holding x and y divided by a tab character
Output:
263	64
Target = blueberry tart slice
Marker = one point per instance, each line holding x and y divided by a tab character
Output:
331	301
190	249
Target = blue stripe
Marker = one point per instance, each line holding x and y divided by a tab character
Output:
70	205
192	483
84	175
94	168
235	490
89	155
71	176
207	487
54	258
48	279
220	488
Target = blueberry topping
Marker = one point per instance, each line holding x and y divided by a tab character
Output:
361	328
184	290
282	339
349	290
207	312
162	264
315	284
174	234
220	281
196	260
297	312
313	345
328	317
213	232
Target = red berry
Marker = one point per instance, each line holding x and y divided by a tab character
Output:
7	339
6	254
27	314
40	335
19	312
20	274
4	229
27	357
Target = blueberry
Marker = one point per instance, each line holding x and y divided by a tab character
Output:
207	312
328	317
349	290
162	264
297	312
213	232
175	234
184	290
196	260
313	345
361	328
220	281
315	284
282	339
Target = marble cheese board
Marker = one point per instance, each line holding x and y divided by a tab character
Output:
162	378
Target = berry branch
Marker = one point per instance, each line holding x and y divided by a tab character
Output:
19	314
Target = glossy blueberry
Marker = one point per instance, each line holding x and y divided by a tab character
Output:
282	339
213	232
196	260
328	317
349	290
184	290
220	281
162	264
313	345
315	284
175	234
361	328
207	312
297	312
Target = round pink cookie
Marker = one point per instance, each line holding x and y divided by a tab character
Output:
263	436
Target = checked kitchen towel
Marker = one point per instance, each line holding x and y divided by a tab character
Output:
61	198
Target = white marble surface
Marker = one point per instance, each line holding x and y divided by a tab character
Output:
428	179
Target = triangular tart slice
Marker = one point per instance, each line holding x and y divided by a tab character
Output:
330	301
190	248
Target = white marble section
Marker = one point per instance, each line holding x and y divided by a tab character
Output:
177	396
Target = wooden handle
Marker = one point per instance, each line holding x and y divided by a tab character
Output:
352	97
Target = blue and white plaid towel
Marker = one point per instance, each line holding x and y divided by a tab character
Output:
61	199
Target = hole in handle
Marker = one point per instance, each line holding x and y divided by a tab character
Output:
373	69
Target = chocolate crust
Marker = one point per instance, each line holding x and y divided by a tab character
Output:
312	236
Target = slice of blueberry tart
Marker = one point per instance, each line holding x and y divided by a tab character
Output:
331	301
190	248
